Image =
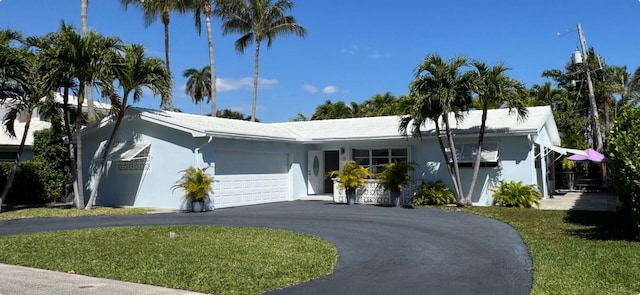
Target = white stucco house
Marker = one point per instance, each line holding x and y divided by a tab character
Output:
272	162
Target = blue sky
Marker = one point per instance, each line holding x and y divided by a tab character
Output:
356	48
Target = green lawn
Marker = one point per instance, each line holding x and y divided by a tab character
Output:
575	252
16	212
211	259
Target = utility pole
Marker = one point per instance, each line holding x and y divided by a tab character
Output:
592	97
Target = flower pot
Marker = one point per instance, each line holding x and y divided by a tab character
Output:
197	206
351	197
395	198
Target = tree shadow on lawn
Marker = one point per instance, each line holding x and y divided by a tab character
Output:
603	226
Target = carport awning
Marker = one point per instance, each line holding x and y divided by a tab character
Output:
126	152
561	150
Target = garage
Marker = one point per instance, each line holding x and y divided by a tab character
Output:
247	178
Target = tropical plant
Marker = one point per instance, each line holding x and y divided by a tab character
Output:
433	193
516	194
330	110
91	111
198	85
161	9
205	6
196	184
22	95
351	177
494	89
625	162
231	114
135	72
80	60
257	20
53	157
439	90
395	176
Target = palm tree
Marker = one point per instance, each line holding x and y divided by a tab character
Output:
154	9
91	112
135	72
438	90
88	59
206	7
257	20
493	88
23	95
198	82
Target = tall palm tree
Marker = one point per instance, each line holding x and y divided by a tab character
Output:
206	7
493	88
439	90
91	111
23	95
257	20
135	72
154	9
198	84
88	59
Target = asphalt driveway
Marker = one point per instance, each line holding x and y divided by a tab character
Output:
382	250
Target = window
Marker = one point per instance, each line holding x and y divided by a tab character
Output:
467	153
374	158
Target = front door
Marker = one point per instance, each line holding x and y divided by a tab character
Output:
315	172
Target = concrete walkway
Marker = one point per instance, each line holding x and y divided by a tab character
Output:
584	201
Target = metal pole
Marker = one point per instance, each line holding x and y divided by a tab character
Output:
592	97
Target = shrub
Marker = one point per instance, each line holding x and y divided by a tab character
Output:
516	194
27	187
53	156
351	177
196	184
624	154
433	193
395	175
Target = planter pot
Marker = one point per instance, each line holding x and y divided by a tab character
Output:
351	197
395	198
197	206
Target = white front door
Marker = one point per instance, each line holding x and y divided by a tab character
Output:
315	172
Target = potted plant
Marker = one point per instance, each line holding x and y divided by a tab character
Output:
393	178
350	178
196	184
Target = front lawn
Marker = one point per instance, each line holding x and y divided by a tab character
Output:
210	259
575	252
17	212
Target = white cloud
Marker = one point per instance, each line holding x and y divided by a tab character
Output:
229	84
330	89
350	50
309	88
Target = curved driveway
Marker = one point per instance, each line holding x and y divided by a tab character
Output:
382	250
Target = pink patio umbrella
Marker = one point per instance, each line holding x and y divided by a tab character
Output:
591	155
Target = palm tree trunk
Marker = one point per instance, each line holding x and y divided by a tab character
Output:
91	111
71	147
445	155
255	83
79	183
103	161
454	157
476	164
167	103
14	167
213	94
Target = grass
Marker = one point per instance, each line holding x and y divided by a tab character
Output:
17	212
575	252
219	260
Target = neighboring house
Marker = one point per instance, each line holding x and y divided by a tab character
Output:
271	162
9	145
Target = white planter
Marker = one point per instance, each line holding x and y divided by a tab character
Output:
197	206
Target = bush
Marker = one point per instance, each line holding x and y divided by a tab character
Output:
53	156
624	153
27	187
433	193
516	194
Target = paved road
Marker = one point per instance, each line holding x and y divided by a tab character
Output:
382	250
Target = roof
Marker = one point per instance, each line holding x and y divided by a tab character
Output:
499	122
36	124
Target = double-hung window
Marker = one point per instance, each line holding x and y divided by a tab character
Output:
374	158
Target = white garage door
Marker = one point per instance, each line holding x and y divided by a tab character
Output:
250	178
